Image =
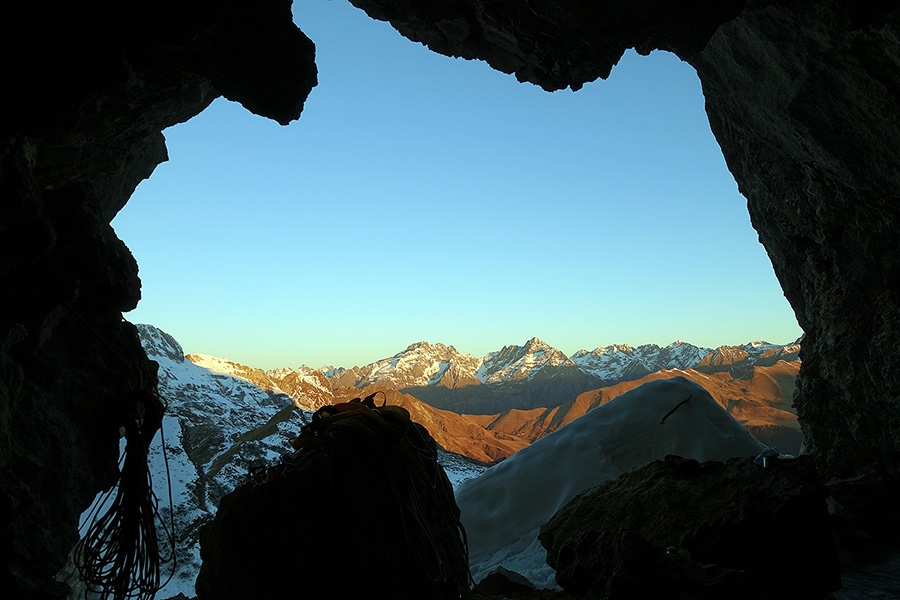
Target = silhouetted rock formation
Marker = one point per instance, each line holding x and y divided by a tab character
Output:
88	90
803	99
679	529
553	44
362	510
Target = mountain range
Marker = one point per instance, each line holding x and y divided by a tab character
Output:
225	419
514	377
516	395
761	402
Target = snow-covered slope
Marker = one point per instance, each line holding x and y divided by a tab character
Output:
504	508
309	389
219	425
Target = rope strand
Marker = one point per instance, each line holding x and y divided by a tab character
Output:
118	557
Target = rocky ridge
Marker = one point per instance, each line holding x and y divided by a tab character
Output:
621	361
420	364
517	363
515	377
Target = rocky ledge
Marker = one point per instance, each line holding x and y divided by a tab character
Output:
681	529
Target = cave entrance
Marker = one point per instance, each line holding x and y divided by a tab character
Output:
422	197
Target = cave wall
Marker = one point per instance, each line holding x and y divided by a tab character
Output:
803	98
89	87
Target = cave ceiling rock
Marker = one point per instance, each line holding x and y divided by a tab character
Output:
551	43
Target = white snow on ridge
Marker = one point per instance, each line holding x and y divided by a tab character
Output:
420	364
612	363
520	362
210	402
223	366
504	508
438	372
426	364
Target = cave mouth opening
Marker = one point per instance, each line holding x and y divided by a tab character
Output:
421	197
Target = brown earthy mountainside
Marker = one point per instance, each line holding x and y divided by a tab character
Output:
455	433
761	402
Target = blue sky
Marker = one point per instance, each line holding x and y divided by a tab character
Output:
421	197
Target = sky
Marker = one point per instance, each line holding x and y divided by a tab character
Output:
422	197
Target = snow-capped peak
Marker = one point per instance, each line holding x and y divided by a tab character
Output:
158	343
621	361
420	364
520	362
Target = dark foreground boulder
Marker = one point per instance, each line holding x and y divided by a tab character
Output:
362	510
509	585
678	529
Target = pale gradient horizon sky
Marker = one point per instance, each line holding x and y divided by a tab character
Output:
421	197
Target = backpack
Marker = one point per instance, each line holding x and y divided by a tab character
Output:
361	509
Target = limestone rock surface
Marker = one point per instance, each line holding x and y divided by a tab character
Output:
804	100
679	529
